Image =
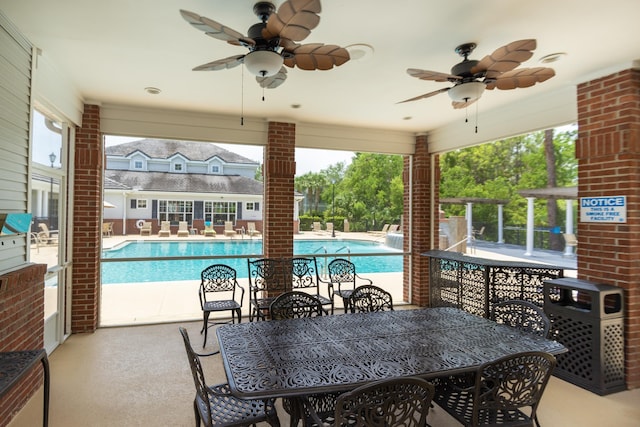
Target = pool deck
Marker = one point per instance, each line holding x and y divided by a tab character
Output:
159	302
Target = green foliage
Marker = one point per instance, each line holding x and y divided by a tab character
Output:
499	169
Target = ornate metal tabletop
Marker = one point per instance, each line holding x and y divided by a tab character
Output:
332	353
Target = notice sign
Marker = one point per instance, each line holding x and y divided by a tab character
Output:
603	209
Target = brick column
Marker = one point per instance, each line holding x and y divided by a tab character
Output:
87	203
608	153
21	328
424	225
279	171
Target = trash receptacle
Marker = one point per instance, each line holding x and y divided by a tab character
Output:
588	319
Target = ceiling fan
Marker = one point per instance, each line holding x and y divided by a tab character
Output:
272	42
499	70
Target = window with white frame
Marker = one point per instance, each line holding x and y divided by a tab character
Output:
219	212
177	167
138	164
141	203
175	211
215	169
252	206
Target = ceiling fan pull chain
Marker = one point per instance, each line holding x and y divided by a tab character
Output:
477	116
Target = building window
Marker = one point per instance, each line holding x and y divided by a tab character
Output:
137	164
141	204
177	167
252	206
219	212
215	169
175	211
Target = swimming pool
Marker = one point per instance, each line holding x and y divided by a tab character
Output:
189	269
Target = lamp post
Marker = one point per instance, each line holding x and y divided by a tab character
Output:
52	159
333	207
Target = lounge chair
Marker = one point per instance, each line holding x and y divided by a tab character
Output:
317	227
208	230
228	229
394	228
145	229
165	229
47	236
107	229
251	229
330	227
183	229
382	232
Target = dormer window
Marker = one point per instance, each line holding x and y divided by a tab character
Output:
215	169
177	167
138	164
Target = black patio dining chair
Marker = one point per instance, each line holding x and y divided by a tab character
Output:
506	391
370	298
267	279
400	401
343	279
305	277
295	304
522	315
219	292
215	406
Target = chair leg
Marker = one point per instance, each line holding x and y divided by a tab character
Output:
239	312
197	413
205	327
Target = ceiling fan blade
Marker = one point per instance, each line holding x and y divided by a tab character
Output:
274	81
216	29
426	95
522	77
461	104
221	64
294	20
432	75
316	56
506	58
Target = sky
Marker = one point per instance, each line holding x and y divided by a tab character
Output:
307	159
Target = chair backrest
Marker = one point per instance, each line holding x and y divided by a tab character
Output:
317	226
511	383
202	391
217	278
329	226
44	228
228	225
385	228
165	226
370	298
402	401
522	315
303	273
343	272
393	228
295	304
268	274
208	225
183	226
145	226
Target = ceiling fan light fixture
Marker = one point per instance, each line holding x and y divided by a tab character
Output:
263	63
466	92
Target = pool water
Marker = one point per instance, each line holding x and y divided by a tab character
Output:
189	269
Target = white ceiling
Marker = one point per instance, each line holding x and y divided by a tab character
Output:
113	49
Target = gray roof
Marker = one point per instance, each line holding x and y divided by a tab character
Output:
166	148
184	183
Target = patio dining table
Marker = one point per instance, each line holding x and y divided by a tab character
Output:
298	357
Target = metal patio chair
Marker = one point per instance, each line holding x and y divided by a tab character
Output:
295	304
215	406
303	273
500	392
370	298
343	279
266	281
522	315
218	292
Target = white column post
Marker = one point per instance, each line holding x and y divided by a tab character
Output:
530	220
568	250
469	224
500	224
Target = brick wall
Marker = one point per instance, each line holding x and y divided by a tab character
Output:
87	228
21	328
279	173
608	153
419	216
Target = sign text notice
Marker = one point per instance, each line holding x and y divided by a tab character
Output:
603	209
